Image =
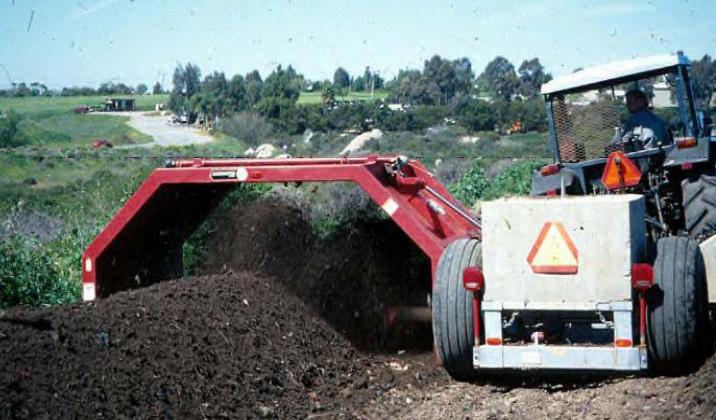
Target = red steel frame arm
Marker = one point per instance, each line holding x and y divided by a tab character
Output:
405	190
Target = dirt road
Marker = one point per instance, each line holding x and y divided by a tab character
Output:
164	134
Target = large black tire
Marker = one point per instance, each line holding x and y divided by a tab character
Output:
700	206
452	308
678	312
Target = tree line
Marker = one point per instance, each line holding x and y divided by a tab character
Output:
450	84
20	90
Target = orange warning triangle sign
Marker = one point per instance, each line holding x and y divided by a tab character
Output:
553	251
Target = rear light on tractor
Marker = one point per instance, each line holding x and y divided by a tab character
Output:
620	172
623	342
642	277
472	279
686	143
549	169
494	341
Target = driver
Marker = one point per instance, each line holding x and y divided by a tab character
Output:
643	126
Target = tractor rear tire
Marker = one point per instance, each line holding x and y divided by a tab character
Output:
452	308
700	206
678	311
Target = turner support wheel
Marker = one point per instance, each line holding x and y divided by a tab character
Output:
452	308
677	314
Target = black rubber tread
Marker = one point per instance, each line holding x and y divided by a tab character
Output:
452	308
699	201
677	312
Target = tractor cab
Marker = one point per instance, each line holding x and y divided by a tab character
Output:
597	111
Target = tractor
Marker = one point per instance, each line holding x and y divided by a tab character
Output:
622	273
603	268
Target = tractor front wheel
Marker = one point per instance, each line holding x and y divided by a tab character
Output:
678	310
452	308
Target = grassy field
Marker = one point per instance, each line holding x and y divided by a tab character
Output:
312	98
43	106
51	122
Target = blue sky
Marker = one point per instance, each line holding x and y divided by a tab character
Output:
86	42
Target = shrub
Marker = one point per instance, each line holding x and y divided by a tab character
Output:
33	272
475	115
34	275
10	133
247	126
475	186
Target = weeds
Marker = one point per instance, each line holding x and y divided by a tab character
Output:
476	186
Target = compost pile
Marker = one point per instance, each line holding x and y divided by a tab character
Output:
216	346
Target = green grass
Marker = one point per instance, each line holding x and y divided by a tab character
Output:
51	121
312	98
81	130
38	106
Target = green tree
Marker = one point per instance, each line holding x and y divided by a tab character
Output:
236	93
499	79
187	83
253	76
281	84
452	77
157	89
141	89
367	79
279	93
21	90
359	84
475	115
703	80
215	83
254	86
328	96
531	78
341	78
414	88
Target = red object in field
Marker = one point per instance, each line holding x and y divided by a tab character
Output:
143	242
98	144
620	172
81	110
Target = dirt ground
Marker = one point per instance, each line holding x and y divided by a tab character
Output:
239	345
289	327
164	134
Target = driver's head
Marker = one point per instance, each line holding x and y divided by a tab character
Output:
636	101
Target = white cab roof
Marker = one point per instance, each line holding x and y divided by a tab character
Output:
611	71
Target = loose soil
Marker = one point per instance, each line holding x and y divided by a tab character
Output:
283	329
